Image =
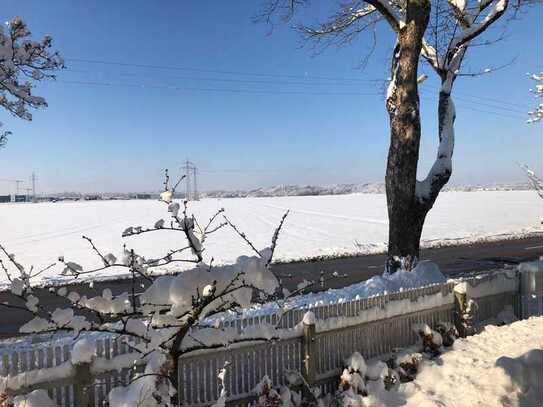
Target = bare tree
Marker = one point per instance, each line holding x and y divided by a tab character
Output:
537	114
440	32
23	62
535	181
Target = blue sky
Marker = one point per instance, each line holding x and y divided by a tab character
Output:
270	123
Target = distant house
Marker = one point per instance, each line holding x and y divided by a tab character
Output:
5	198
143	196
93	198
21	198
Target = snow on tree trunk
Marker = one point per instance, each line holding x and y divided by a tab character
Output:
454	25
402	103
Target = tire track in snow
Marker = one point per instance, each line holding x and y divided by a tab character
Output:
293	229
331	215
21	241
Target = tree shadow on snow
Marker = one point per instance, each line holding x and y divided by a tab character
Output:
526	374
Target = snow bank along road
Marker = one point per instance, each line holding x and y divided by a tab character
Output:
318	226
452	261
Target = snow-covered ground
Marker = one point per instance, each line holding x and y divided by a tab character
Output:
316	226
502	366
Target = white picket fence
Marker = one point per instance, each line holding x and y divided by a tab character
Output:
62	382
373	326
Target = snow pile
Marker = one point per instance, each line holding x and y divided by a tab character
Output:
373	384
284	396
426	273
526	373
352	379
431	340
37	398
500	366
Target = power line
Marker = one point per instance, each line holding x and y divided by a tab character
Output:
494	106
500	114
477	109
275	92
191	69
261	74
456	97
484	104
229	80
227	90
238	171
469	95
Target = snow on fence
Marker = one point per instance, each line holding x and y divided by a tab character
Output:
373	326
493	292
48	366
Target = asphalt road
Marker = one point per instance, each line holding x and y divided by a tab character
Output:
453	261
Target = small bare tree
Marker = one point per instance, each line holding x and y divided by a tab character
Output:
535	181
23	62
537	114
439	31
171	318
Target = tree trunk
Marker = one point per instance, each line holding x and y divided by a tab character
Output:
405	217
174	380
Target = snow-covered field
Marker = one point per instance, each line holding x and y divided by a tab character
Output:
316	226
502	366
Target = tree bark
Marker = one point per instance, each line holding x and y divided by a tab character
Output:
406	218
174	380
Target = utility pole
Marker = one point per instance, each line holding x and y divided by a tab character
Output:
18	183
195	191
33	186
187	185
191	181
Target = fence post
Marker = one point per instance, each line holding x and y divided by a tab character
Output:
83	385
309	370
460	303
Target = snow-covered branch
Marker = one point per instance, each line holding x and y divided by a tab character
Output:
390	11
448	67
343	26
22	63
340	22
472	31
537	114
428	189
175	315
429	53
535	180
